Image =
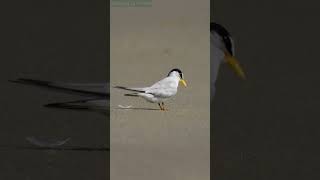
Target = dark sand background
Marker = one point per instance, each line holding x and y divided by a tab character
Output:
268	126
146	43
58	41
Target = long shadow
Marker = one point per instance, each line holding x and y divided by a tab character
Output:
146	109
97	101
64	106
66	148
83	89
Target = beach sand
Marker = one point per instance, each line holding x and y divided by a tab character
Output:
146	44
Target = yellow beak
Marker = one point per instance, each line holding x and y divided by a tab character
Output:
235	65
183	82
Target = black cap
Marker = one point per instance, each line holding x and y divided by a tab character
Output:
225	35
177	70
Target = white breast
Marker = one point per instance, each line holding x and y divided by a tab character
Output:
216	58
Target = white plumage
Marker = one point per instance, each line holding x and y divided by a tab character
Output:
160	91
221	50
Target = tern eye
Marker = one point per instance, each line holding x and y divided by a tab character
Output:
181	75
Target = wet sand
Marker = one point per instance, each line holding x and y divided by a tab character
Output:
145	45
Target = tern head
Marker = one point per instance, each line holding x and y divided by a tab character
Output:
222	39
178	73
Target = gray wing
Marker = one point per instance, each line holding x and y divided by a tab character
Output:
161	88
86	89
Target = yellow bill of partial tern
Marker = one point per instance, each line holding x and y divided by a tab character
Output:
235	65
183	82
222	51
160	91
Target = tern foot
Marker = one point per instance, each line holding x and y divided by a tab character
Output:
163	108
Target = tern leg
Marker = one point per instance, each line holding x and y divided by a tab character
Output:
164	109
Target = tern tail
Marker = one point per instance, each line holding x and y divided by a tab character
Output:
130	89
133	95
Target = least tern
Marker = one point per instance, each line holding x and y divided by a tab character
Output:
222	50
161	90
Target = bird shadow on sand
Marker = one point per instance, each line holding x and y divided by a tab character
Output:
145	109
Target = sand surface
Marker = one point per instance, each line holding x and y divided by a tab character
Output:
146	44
